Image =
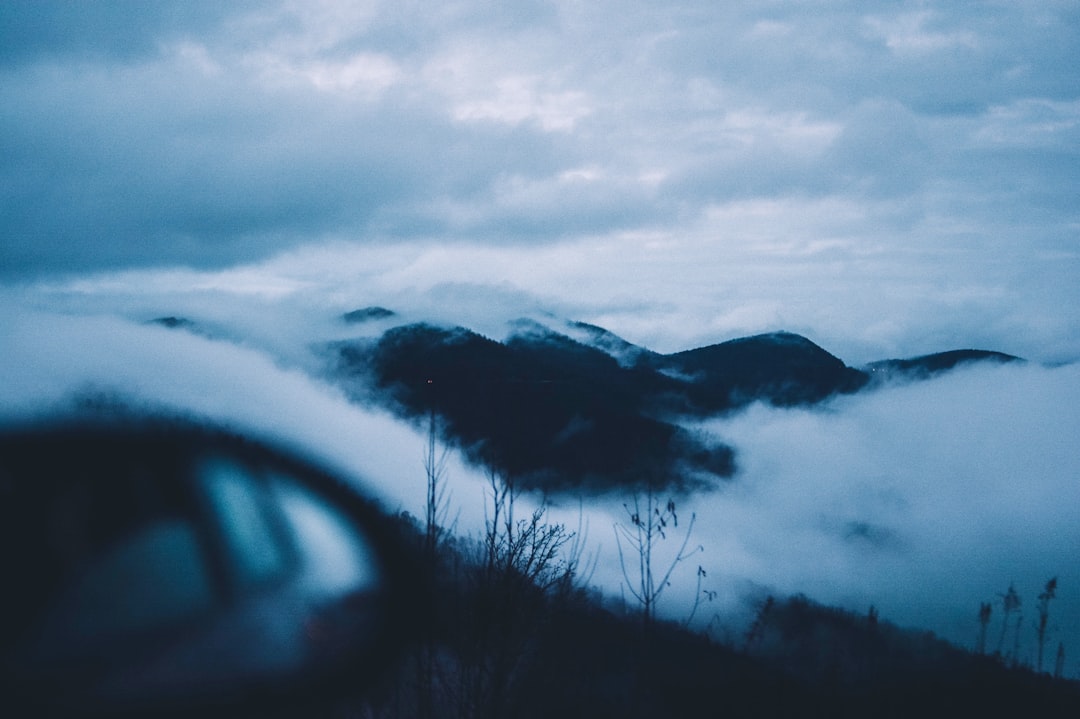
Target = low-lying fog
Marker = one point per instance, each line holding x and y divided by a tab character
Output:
923	499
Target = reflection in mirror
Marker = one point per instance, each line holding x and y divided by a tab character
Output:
333	553
254	551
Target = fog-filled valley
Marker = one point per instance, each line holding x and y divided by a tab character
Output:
922	497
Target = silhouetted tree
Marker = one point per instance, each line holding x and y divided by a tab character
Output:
435	511
523	562
1016	640
1010	602
1059	661
985	610
650	524
1043	608
757	629
437	501
699	593
531	548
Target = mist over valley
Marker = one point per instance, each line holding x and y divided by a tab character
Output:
922	491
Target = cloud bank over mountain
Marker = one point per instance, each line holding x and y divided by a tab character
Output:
923	499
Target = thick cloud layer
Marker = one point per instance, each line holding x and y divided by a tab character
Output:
924	499
749	166
54	362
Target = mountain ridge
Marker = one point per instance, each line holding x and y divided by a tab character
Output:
556	411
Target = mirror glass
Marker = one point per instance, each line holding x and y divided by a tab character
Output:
252	542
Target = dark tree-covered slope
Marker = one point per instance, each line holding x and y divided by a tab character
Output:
781	368
929	365
598	411
541	407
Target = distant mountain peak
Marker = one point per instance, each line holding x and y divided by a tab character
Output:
779	337
928	365
782	368
626	353
528	327
367	314
173	323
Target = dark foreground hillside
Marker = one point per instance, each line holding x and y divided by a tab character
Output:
498	643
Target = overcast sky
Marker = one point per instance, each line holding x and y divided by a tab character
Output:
889	178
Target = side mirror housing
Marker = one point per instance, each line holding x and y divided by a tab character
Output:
158	567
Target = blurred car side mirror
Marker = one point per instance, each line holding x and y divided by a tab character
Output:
159	567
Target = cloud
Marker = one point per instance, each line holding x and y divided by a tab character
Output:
55	359
911	34
205	153
34	30
207	136
922	499
748	267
